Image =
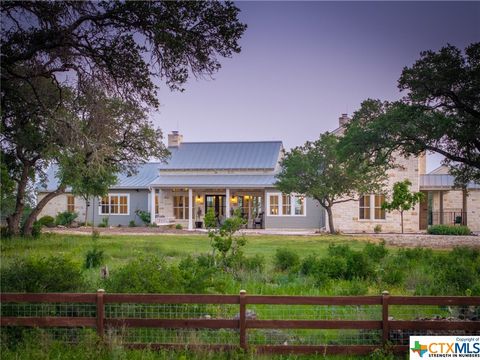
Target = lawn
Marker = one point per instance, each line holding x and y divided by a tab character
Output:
119	249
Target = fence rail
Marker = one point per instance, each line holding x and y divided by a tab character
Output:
306	325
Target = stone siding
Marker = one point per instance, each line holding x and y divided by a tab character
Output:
59	204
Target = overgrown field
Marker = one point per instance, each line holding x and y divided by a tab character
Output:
286	265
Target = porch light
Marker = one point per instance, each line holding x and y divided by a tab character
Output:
199	199
234	199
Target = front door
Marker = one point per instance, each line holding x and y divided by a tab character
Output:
423	213
217	203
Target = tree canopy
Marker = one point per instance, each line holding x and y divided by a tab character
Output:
79	78
440	113
316	170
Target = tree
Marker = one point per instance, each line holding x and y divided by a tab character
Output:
402	198
106	136
440	113
49	48
316	170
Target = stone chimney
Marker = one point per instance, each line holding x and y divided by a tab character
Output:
174	139
343	120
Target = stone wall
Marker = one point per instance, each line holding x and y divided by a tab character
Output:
59	204
346	215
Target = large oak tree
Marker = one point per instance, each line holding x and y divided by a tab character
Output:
440	113
52	48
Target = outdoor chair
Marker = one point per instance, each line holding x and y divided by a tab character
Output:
258	221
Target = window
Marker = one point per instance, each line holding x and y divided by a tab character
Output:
115	204
364	204
286	205
299	205
379	212
180	207
273	205
70	203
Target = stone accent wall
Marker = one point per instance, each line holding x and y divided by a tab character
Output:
346	215
473	210
59	204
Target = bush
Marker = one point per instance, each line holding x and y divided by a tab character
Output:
358	264
286	259
144	216
332	267
132	223
145	275
196	276
52	274
309	265
179	227
449	230
377	229
104	222
47	221
254	263
94	258
375	252
65	218
4	233
36	229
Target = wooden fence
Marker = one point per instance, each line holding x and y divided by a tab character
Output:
243	323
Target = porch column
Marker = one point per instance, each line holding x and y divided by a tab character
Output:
152	206
227	203
190	209
441	207
464	207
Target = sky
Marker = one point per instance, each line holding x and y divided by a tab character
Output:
303	64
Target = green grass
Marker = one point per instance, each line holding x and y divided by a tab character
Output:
120	249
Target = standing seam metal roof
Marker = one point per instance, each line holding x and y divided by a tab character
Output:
224	155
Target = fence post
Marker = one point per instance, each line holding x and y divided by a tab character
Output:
385	324
243	319
100	313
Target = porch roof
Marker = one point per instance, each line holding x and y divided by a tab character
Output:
441	182
233	181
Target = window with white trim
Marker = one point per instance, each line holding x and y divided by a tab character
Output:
370	207
286	205
115	204
379	212
180	207
273	205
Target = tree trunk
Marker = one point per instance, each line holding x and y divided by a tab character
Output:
401	217
13	220
330	219
27	227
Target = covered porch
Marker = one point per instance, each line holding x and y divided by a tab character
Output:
185	199
188	206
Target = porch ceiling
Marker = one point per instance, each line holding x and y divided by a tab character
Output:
232	181
441	182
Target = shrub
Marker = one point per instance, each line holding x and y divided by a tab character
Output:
94	258
144	216
334	267
210	219
358	264
353	288
392	274
196	276
52	274
375	252
47	221
36	229
286	259
377	229
179	227
104	222
132	223
145	275
65	218
449	230
309	265
4	233
254	263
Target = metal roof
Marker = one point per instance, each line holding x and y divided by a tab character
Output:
215	181
224	155
441	182
146	173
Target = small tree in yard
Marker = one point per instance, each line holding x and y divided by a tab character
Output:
402	198
317	170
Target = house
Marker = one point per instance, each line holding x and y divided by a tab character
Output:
442	204
223	176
